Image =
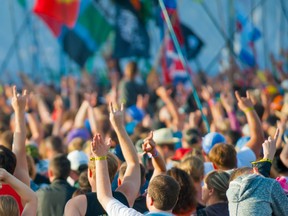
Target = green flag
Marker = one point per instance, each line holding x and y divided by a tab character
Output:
23	3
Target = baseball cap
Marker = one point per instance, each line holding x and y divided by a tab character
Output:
210	140
77	159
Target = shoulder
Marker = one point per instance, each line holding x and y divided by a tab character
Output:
76	206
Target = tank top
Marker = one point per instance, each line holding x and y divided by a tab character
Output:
94	208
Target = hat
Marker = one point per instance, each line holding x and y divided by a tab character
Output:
241	142
79	132
179	153
77	158
135	113
210	140
164	136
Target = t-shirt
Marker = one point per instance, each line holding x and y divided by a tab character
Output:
116	208
7	190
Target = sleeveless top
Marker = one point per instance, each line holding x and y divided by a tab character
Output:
94	208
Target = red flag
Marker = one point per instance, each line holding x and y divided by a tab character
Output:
57	13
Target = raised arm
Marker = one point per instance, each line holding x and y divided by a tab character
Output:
131	180
103	186
26	194
104	193
171	107
228	102
256	131
81	115
18	104
149	147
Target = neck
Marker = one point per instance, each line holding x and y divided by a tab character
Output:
153	209
213	200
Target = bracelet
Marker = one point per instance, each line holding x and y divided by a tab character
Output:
153	155
248	109
262	160
98	158
265	160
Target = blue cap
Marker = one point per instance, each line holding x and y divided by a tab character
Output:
136	113
241	142
210	140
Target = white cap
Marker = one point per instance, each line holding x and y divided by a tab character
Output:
77	158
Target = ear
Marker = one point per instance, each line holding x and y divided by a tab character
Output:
215	166
119	182
50	173
211	191
90	174
149	200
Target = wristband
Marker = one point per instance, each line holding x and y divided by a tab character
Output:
262	160
265	160
98	158
248	109
153	155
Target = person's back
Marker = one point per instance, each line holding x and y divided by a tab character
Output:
94	208
254	195
52	199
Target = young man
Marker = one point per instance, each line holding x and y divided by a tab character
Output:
52	199
162	194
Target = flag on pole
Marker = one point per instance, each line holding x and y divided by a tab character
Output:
88	35
23	3
57	13
249	34
131	36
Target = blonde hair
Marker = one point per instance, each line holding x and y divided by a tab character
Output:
194	166
8	206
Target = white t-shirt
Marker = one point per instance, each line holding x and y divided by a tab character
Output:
116	208
244	158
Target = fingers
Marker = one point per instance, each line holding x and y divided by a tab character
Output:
122	107
248	95
24	92
276	134
14	89
111	108
237	95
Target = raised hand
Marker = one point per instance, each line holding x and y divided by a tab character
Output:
269	146
149	145
116	116
227	101
19	101
244	103
98	147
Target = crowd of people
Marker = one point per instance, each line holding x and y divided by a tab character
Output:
139	147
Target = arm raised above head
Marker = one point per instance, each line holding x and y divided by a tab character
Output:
131	181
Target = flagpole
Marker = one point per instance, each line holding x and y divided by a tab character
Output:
183	61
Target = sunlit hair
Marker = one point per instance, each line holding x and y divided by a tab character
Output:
8	206
219	181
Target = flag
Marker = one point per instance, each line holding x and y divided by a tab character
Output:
88	35
131	37
23	3
249	34
57	13
192	43
172	67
